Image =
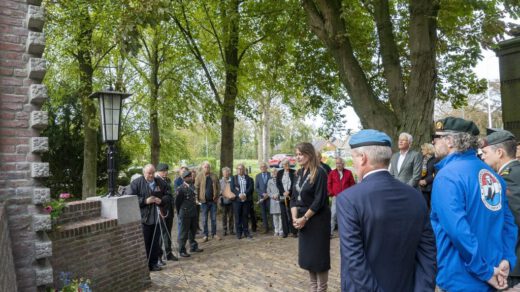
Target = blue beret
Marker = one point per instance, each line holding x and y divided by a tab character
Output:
369	137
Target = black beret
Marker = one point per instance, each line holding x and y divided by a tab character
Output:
162	167
185	174
455	125
497	137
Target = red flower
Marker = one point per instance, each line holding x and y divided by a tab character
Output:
48	209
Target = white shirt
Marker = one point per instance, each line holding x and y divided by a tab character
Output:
401	160
242	184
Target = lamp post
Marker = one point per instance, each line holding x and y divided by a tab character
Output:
110	107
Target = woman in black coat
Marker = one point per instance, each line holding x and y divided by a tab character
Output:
311	216
428	171
285	183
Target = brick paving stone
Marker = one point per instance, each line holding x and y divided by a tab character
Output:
265	263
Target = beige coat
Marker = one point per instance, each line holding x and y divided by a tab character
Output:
200	187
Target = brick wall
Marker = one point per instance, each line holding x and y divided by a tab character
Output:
112	256
21	94
7	276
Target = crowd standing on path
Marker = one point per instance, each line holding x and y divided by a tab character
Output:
443	219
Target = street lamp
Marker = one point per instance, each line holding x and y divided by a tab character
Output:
110	106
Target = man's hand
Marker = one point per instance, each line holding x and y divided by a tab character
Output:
498	281
150	200
157	201
286	193
242	197
422	182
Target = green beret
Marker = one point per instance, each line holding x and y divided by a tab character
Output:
498	137
162	167
455	125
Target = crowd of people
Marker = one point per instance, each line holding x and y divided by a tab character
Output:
442	219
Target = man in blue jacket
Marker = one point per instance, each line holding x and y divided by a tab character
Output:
474	228
386	238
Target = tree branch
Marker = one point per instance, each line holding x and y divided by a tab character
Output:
249	46
214	31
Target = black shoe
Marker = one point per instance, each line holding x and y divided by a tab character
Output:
184	254
232	233
295	235
284	235
171	257
155	268
249	236
197	250
225	233
239	236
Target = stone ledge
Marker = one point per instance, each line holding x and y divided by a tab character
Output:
39	169
35	43
35	18
41	222
38	94
37	68
43	276
41	196
39	120
39	144
43	249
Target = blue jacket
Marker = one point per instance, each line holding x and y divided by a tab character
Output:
473	225
386	239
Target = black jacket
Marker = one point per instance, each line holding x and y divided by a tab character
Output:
185	201
250	186
279	183
430	173
141	189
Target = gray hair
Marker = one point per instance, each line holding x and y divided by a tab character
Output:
148	166
262	164
225	168
340	159
377	155
284	161
408	137
463	142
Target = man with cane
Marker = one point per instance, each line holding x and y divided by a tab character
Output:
151	195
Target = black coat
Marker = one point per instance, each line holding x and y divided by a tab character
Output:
250	187
430	173
279	183
185	201
141	189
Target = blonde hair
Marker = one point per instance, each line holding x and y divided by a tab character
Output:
428	148
308	150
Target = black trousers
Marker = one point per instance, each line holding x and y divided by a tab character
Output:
286	220
151	235
241	210
187	231
166	233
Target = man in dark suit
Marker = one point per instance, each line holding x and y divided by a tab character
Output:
499	151
406	165
386	239
242	186
261	181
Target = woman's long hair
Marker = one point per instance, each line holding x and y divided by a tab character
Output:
308	150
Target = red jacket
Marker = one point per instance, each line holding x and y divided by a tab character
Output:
335	185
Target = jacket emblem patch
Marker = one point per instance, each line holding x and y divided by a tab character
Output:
490	190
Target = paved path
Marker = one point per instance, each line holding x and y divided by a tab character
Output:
265	263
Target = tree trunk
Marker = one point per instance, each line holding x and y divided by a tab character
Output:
155	140
231	28
90	124
265	133
411	112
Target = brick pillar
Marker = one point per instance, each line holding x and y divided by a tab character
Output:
21	94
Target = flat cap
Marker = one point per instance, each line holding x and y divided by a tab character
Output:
456	125
497	137
162	167
369	137
185	174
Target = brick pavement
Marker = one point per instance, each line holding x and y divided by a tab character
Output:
265	263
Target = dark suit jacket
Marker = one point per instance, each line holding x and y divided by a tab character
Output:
410	171
386	239
235	187
430	172
261	185
279	183
511	174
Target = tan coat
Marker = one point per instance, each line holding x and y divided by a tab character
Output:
200	186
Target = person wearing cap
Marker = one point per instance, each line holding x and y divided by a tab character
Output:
186	205
386	239
166	228
499	151
474	228
406	165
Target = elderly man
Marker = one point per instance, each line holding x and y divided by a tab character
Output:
151	194
386	239
499	151
338	180
166	228
207	187
242	186
261	181
406	165
475	231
